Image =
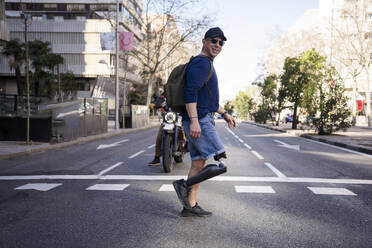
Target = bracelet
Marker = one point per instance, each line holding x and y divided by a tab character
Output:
223	114
192	117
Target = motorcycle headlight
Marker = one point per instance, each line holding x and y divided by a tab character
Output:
170	117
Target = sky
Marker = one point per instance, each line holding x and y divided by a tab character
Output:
250	27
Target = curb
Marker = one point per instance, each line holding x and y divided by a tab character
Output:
307	136
335	143
80	140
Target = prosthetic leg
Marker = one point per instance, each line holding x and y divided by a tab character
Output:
209	171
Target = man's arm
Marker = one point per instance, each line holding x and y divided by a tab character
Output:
227	117
195	130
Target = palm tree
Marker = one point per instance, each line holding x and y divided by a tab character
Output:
14	49
38	50
53	61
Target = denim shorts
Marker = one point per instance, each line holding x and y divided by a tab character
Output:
209	143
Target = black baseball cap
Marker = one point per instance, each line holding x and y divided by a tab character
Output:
215	32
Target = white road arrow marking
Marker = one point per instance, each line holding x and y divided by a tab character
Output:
285	145
69	113
111	145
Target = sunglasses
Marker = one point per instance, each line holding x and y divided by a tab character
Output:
220	42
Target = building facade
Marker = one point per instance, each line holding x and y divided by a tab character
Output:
74	28
4	30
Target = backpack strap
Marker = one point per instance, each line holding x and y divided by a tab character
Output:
209	75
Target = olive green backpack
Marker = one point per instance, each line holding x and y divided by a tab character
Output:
174	88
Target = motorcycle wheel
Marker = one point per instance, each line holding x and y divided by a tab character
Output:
167	154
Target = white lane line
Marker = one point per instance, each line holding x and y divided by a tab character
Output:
250	148
167	187
340	148
255	189
229	130
172	178
136	154
39	186
257	155
102	186
330	191
110	168
149	147
275	170
280	142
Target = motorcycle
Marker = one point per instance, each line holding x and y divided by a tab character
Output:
173	140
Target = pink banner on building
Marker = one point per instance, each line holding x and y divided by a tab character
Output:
126	41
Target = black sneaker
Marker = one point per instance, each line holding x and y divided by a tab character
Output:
155	162
182	192
195	211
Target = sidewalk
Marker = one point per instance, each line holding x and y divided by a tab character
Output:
355	138
10	149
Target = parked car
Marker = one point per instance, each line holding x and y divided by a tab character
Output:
289	118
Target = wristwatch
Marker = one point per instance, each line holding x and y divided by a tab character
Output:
223	114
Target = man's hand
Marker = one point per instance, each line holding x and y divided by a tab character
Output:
230	120
195	130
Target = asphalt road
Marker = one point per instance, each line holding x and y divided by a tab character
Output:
279	191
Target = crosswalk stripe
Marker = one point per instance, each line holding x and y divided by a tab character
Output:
39	186
102	186
330	191
254	189
166	187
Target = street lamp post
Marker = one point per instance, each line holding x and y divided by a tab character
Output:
26	16
117	67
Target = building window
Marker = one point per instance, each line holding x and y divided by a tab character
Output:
12	6
58	18
50	6
37	17
76	7
81	18
35	6
102	7
62	7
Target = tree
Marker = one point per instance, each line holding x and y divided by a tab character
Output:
14	49
160	19
68	85
353	43
326	103
138	94
229	107
292	84
271	99
53	61
45	63
244	104
39	51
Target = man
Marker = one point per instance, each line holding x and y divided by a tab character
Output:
158	105
201	100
